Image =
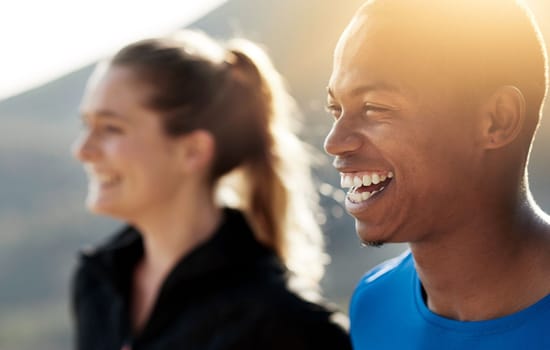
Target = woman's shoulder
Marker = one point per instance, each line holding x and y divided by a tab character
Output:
100	263
301	324
288	320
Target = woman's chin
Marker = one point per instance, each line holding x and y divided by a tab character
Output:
104	208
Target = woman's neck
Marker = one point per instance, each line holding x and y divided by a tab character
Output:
168	235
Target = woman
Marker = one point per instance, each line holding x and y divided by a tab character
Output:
177	131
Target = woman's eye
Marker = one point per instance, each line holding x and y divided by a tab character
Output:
112	129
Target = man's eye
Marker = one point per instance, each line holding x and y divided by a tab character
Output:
334	110
375	108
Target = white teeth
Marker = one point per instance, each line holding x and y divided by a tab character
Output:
104	179
346	181
367	180
355	197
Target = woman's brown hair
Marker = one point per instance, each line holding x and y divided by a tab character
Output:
260	166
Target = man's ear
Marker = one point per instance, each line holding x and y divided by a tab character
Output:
197	150
503	117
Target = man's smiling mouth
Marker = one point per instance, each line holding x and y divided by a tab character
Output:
364	185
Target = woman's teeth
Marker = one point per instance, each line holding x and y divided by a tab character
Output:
105	180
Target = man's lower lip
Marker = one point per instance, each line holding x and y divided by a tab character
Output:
352	207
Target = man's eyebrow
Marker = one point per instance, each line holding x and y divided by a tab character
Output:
361	89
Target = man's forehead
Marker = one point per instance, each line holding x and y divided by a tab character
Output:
367	45
373	32
353	35
374	45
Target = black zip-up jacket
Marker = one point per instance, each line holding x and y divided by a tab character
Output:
230	293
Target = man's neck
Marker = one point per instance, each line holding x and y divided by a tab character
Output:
485	270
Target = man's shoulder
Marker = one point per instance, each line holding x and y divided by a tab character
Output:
387	275
385	292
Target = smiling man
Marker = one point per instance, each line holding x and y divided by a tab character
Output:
435	106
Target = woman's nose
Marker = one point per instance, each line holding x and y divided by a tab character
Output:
84	148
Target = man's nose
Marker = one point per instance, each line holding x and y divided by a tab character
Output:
343	138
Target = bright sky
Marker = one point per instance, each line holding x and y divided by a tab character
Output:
41	40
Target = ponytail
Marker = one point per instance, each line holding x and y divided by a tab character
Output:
274	186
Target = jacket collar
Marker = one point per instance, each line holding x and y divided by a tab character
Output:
233	246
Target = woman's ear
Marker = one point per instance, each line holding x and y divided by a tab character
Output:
503	117
197	151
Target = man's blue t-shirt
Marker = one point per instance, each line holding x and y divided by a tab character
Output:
387	311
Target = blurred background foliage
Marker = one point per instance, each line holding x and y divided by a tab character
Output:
42	217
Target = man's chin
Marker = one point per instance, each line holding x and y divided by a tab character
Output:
376	244
367	236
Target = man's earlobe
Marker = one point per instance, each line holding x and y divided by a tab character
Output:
505	117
